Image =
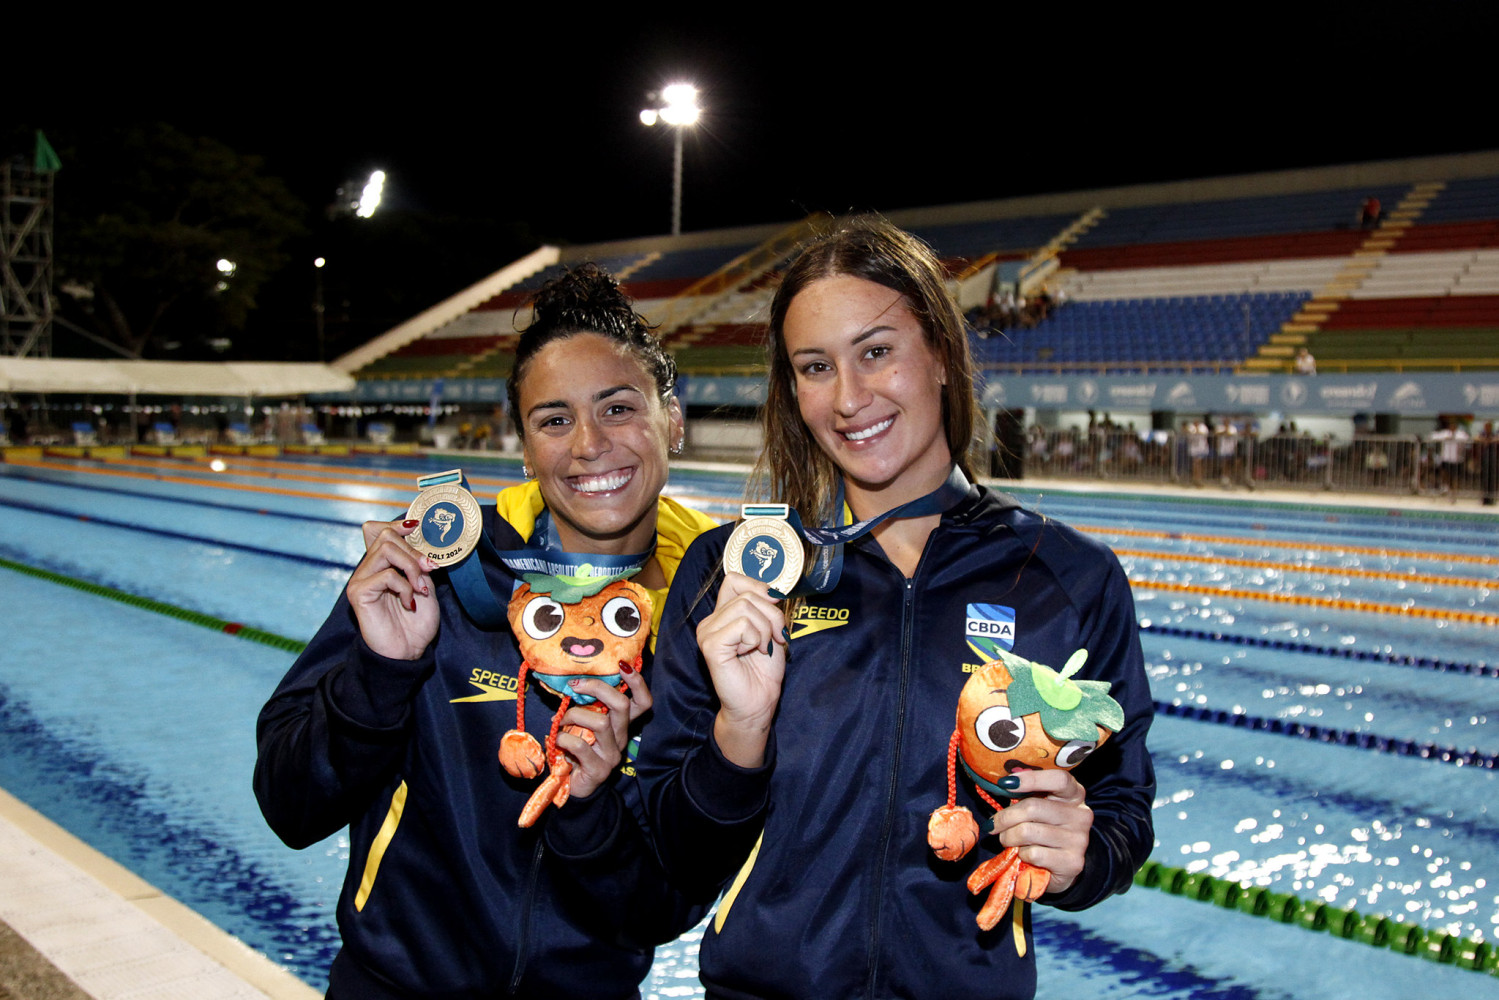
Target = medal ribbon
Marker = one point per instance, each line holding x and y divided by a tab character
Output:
543	555
827	567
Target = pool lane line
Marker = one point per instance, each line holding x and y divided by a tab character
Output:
1330	603
1348	924
1334	513
220	484
403	476
1094	529
181	536
1331	734
336	522
167	467
1344	652
236	629
1365	574
1448	537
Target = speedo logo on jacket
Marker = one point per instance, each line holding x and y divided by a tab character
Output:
811	618
492	686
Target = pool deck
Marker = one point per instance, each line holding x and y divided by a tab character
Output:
76	925
82	926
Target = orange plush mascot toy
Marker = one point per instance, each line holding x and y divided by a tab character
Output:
568	629
1013	715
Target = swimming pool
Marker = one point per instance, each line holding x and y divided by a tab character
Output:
136	730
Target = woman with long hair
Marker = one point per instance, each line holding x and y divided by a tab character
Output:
802	750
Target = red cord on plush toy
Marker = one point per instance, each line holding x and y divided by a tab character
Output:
1015	715
568	630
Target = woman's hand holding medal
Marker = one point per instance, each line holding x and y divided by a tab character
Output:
744	644
391	592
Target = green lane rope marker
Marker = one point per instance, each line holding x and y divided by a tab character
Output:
161	607
1380	932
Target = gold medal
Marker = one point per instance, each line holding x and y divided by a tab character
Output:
765	547
450	519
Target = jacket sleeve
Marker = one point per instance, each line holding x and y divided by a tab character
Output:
334	732
704	812
1119	776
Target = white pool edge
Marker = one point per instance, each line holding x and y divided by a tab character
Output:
113	933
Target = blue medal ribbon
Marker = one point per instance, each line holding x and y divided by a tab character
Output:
827	567
543	555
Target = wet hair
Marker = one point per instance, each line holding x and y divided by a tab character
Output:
587	299
792	468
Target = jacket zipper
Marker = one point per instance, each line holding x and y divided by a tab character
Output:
524	942
907	618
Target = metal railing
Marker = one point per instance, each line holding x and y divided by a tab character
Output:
1393	464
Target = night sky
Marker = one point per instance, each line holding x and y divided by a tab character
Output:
516	117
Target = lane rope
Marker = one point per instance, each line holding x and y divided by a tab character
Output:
1264	543
185	501
218	484
181	536
1348	924
236	629
1344	652
1331	603
1363	574
1333	735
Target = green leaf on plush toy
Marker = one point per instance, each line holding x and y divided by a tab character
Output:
1069	709
1058	690
573	588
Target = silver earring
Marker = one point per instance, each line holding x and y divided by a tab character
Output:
676	449
525	471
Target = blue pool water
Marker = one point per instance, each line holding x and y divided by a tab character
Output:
136	731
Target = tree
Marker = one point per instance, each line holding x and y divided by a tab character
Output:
145	214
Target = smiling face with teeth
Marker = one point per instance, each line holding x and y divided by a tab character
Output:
597	434
869	388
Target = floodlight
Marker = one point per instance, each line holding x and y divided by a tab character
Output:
369	198
678	108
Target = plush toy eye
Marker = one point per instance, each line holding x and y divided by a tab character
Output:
997	731
1074	752
622	617
542	618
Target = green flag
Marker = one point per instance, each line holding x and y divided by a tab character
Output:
46	157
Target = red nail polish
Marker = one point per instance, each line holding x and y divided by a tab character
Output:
410	523
626	668
412	606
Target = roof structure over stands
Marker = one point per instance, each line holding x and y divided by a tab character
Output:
170	378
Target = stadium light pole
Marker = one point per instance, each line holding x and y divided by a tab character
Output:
317	303
676	105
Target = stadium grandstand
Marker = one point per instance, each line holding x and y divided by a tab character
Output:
1222	275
